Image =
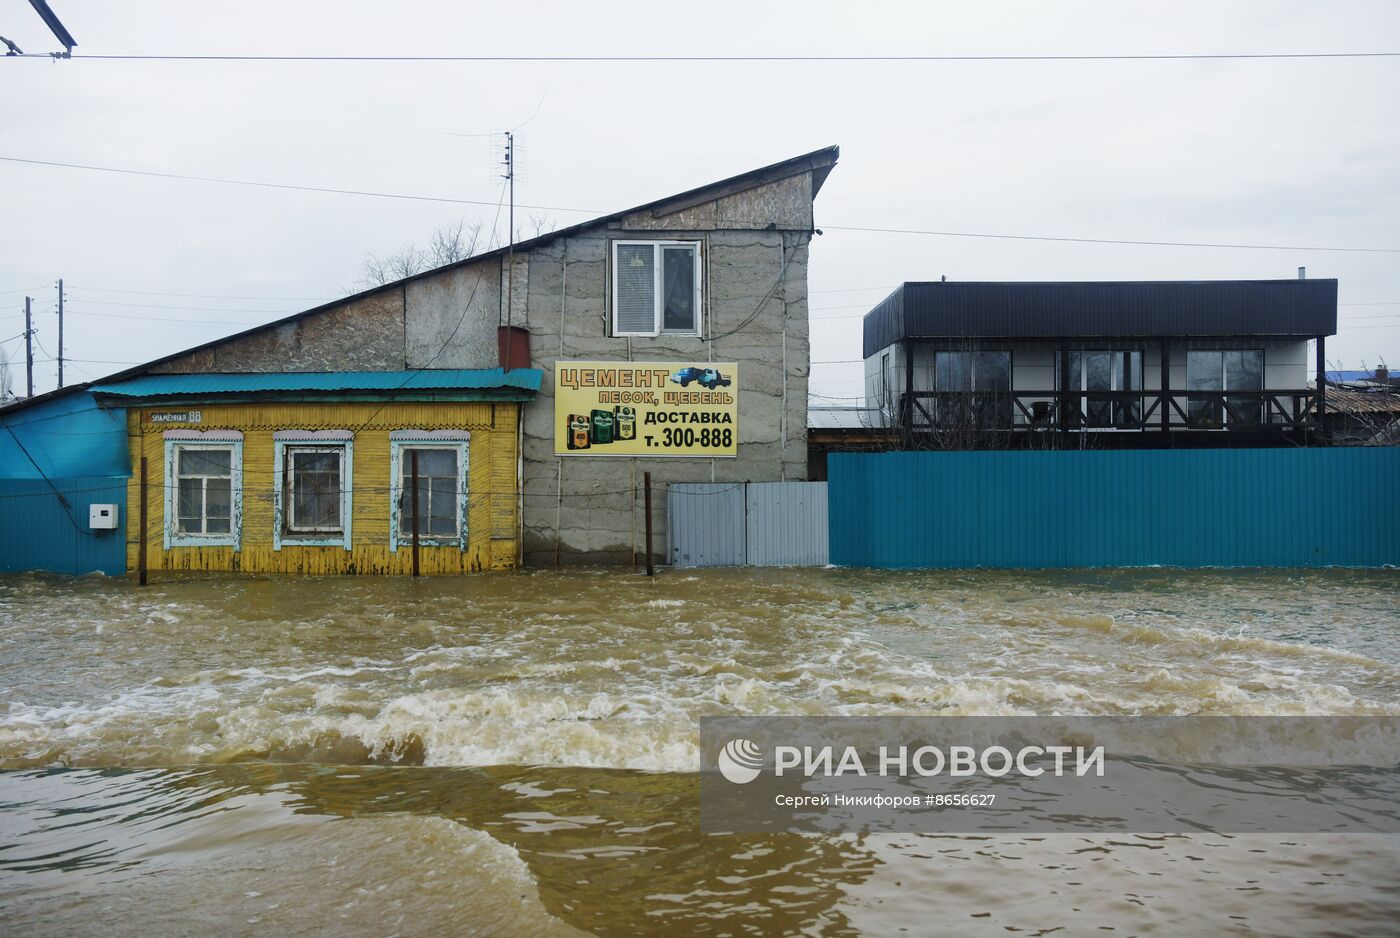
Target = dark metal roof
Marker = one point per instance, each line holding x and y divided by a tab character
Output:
1110	308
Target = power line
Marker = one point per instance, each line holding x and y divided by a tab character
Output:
1145	57
278	185
856	228
90	361
207	322
195	309
201	296
1170	244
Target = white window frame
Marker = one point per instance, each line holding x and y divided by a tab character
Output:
658	291
178	440
400	440
339	441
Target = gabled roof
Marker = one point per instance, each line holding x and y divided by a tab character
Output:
818	162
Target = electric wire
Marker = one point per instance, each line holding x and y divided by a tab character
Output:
808	58
852	228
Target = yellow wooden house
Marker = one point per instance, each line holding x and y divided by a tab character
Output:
314	472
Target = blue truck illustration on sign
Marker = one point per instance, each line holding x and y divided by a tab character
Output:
710	378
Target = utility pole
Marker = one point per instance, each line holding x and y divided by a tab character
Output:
60	332
510	235
510	221
29	346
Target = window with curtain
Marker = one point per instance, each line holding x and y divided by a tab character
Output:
656	287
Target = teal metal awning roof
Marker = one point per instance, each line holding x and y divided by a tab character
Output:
518	383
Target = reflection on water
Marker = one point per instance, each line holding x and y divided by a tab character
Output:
515	754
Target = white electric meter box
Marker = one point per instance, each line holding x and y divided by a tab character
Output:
102	517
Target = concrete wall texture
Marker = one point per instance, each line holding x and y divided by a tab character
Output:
754	246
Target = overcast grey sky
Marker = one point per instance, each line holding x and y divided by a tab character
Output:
1291	152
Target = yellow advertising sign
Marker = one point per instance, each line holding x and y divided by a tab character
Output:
646	409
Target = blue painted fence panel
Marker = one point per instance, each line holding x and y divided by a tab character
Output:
37	532
1188	508
69	444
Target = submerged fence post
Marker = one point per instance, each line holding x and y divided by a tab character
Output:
646	484
141	556
413	458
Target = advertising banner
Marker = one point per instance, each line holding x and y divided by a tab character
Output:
646	409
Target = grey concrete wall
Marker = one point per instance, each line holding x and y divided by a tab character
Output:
364	334
588	508
450	320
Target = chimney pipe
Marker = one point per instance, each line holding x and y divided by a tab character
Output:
1302	273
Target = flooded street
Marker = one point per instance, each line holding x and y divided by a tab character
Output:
517	754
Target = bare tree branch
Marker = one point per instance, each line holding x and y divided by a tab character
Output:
449	244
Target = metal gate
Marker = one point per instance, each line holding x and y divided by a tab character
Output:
734	524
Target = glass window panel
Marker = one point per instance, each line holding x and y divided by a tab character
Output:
431	462
1127	376
992	380
218	498
1203	371
218	525
1244	371
635	273
190	510
678	285
993	372
953	371
443	519
316	490
437	492
315	509
206	462
308	462
1098	372
1098	376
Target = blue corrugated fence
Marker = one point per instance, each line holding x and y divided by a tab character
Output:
41	533
66	446
1188	508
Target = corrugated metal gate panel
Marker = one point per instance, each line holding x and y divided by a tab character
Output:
705	524
787	524
1188	508
41	533
733	524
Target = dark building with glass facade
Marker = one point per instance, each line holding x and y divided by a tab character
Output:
1079	364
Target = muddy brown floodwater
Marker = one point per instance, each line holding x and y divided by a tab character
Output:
517	754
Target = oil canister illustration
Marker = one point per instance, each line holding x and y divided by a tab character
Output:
625	423
579	435
602	427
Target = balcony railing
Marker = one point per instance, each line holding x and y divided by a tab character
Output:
1111	410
